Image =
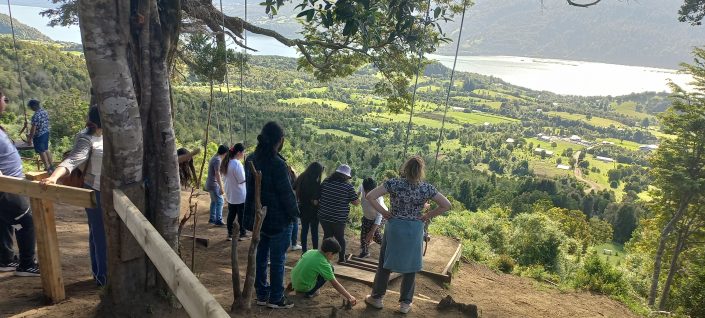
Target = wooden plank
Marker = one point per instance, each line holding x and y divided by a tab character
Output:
456	256
48	249
200	240
57	193
195	298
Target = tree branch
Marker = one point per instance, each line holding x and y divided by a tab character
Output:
583	5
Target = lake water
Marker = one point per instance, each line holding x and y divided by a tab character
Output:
558	76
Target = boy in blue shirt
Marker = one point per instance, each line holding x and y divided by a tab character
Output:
314	269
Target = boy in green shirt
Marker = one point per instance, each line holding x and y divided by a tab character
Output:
314	269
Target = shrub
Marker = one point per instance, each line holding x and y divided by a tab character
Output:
600	277
504	263
536	240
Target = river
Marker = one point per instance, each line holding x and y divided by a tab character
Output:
557	76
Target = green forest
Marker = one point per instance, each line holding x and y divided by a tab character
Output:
557	188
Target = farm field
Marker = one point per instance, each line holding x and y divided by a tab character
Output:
595	121
629	109
475	118
618	254
318	101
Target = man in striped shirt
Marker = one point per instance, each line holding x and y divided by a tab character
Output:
336	196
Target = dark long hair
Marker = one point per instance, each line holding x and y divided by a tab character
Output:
337	176
232	152
308	184
187	171
270	135
93	120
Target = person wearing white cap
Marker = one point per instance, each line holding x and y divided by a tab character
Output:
336	196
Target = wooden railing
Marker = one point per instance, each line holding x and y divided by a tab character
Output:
195	298
42	203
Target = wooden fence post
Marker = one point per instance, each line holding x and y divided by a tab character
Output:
47	245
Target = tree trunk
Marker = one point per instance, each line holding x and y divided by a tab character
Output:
245	302
237	289
105	41
680	243
127	45
682	207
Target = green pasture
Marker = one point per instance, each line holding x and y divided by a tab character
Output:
595	121
318	101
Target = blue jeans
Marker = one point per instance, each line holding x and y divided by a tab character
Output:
295	232
275	246
97	242
216	207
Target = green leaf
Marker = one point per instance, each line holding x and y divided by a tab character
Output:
436	12
305	13
350	28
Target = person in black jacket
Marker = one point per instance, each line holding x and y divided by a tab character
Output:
278	196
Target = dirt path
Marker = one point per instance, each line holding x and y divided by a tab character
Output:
593	186
496	295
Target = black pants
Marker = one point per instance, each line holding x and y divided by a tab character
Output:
16	218
306	225
239	211
336	230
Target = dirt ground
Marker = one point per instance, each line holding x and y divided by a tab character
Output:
495	294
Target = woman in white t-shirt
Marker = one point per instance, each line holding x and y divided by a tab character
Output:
372	221
235	188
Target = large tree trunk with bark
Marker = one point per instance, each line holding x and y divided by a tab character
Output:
128	45
682	208
105	40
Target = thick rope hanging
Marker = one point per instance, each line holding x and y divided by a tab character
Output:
227	80
416	83
242	82
19	67
450	86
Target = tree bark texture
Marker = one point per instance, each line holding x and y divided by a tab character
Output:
104	31
128	45
237	289
682	207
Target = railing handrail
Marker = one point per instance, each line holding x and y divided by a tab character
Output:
195	298
56	193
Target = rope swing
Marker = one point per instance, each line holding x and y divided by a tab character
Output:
227	80
19	67
450	85
416	82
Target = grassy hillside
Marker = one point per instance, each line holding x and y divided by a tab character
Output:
22	31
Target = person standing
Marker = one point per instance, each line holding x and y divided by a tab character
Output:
214	186
372	221
402	243
278	196
336	196
15	213
235	189
39	134
87	156
308	192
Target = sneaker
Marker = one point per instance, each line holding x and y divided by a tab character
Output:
364	255
374	302
219	223
261	302
296	247
11	266
404	308
230	238
240	239
32	271
282	304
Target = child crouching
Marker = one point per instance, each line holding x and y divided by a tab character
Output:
314	269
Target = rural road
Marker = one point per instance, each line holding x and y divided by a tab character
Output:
593	186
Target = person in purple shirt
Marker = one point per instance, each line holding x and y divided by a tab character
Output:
15	213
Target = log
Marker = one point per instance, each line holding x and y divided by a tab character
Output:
260	213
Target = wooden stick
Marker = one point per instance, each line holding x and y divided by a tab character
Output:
57	193
260	213
237	289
